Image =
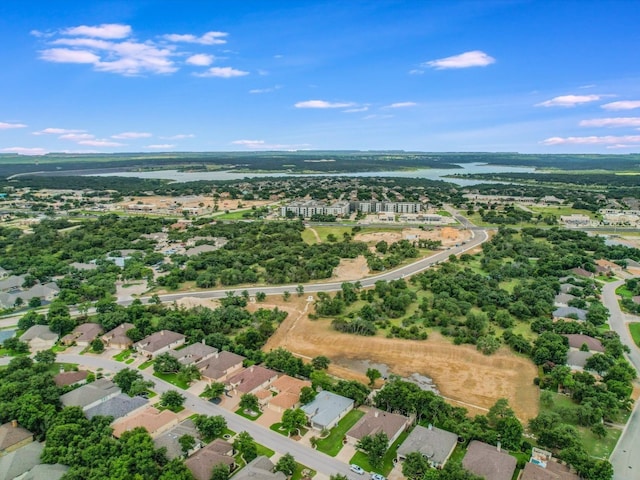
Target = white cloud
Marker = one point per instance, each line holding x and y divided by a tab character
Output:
612	122
159	146
124	135
622	105
200	59
222	72
209	38
93	43
356	110
180	136
56	131
133	58
592	140
416	71
569	100
262	145
402	105
265	90
323	104
66	55
8	126
475	58
26	150
622	145
100	143
76	137
106	30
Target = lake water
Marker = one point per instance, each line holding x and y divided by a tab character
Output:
4	334
430	173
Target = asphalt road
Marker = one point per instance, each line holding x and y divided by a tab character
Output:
626	456
318	461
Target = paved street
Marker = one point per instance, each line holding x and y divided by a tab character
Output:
626	456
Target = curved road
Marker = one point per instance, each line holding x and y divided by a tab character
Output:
626	455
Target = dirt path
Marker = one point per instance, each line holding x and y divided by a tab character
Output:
460	372
315	234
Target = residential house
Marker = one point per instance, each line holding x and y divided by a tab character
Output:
194	353
567	287
83	334
326	410
377	421
117	338
117	407
20	461
11	283
287	391
563	299
564	312
159	343
192	252
45	471
577	340
218	367
39	337
91	394
64	379
170	438
13	436
581	272
250	380
434	444
552	471
218	452
154	420
260	468
489	462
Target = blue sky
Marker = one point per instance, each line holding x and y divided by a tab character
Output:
196	75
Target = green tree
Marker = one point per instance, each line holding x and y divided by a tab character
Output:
48	357
293	419
213	390
320	362
35	302
286	295
300	290
307	395
172	400
125	378
373	374
261	296
249	402
210	427
187	442
97	346
247	447
220	472
375	446
286	464
415	466
166	363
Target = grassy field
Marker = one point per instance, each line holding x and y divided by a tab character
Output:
253	418
332	444
561	210
634	328
122	356
172	378
624	292
297	474
146	364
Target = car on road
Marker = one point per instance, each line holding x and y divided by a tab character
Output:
377	476
356	469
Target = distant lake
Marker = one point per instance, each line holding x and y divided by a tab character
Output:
430	173
4	334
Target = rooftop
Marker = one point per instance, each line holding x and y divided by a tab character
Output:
487	461
433	443
251	378
202	462
90	393
169	439
12	434
159	340
376	421
117	407
576	340
150	418
326	407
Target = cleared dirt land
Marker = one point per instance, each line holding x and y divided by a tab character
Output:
461	373
447	235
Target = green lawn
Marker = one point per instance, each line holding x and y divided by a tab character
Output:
624	292
297	474
332	444
253	418
634	328
360	458
146	364
122	356
561	210
129	361
172	378
236	215
262	450
276	428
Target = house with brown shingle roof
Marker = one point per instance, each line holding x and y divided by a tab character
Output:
218	367
117	338
376	421
610	266
159	343
250	380
576	340
287	391
152	419
581	272
39	337
13	436
552	471
170	439
83	334
194	353
202	462
488	461
64	379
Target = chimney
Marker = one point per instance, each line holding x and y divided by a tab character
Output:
14	423
499	446
161	332
376	414
430	426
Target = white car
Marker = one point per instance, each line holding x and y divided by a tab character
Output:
377	476
356	469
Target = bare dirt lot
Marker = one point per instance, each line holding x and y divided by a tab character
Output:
461	373
351	269
191	201
447	235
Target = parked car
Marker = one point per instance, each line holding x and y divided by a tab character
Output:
356	469
377	476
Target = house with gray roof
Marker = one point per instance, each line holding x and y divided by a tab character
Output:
117	407
260	468
13	437
577	359
551	471
564	312
194	353
91	394
218	452
218	367
45	471
159	342
489	462
117	338
567	287
377	421
12	282
563	299
326	410
84	266
434	444
83	334
20	461
170	438
577	340
192	252
39	337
